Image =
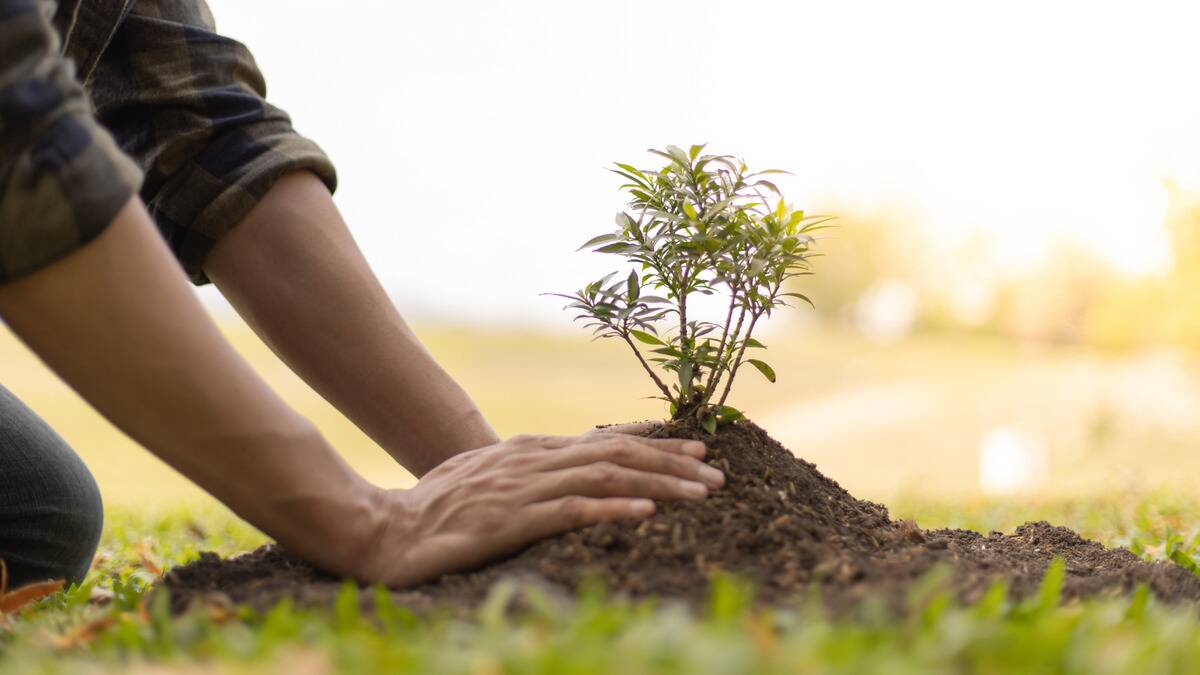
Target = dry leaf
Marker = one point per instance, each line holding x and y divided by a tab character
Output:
14	600
83	635
195	530
147	559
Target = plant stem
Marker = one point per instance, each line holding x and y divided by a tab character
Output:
650	371
685	388
736	332
738	361
712	376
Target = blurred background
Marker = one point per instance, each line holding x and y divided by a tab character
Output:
1009	307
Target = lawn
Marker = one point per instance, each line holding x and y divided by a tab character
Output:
69	633
900	424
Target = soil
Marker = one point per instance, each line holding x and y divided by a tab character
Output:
778	521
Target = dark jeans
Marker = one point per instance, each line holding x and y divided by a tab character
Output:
50	510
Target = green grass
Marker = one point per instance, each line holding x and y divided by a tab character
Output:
597	634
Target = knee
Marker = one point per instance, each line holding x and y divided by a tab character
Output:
50	508
81	517
52	522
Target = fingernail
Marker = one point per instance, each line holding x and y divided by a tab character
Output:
693	489
711	476
640	508
694	448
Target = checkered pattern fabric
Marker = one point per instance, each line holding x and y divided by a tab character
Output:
101	98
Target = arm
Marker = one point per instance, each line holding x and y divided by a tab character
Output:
88	284
293	271
117	320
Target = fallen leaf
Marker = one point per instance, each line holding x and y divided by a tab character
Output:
14	600
147	559
83	635
193	528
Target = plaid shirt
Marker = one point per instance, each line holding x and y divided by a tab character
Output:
100	99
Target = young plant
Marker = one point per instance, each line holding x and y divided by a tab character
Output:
700	224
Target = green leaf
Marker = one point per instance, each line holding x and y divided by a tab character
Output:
598	240
801	296
767	371
685	375
751	343
1050	591
648	338
770	186
633	288
710	424
690	210
729	414
619	247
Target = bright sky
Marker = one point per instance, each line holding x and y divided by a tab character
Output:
471	136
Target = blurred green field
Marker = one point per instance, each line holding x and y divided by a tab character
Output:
887	421
899	423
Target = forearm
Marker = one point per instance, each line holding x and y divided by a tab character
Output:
292	269
117	320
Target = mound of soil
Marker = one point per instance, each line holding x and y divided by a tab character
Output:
777	521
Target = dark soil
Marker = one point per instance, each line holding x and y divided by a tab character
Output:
777	521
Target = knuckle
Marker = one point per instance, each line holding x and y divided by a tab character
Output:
680	465
622	453
629	442
606	472
575	509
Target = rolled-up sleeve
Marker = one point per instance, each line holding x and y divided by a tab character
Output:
62	178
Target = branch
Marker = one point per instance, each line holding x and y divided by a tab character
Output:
712	376
738	361
736	331
650	371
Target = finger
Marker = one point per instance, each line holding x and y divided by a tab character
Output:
632	428
681	446
632	453
555	516
605	479
541	441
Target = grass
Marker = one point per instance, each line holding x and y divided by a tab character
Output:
1107	422
598	634
1113	426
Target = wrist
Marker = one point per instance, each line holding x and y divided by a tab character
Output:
423	445
321	509
394	520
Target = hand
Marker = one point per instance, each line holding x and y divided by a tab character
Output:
631	428
483	504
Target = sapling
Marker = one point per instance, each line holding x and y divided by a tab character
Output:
700	224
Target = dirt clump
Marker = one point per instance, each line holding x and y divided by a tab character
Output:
778	521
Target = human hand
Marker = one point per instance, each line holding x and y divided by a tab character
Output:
485	503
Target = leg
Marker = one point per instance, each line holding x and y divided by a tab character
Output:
50	509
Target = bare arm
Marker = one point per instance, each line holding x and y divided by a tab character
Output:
293	271
117	320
